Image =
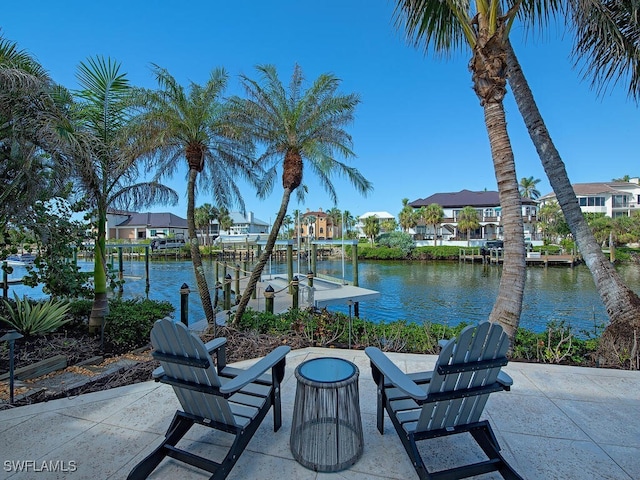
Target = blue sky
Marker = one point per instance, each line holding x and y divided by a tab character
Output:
419	128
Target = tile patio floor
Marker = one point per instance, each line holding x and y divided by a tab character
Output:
558	422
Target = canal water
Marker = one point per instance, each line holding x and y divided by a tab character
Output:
441	292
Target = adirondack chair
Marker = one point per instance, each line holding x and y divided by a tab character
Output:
448	400
211	394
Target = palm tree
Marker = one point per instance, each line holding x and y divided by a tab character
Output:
371	228
624	178
297	128
433	215
224	219
104	153
407	216
335	215
528	187
468	220
286	222
484	26
196	126
349	221
607	39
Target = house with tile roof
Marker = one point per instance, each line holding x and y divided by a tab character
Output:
316	225
613	199
486	203
134	226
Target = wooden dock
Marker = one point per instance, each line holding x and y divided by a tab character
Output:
533	258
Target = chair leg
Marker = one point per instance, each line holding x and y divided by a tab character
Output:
488	442
276	405
177	429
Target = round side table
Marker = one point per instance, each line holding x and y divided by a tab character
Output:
326	434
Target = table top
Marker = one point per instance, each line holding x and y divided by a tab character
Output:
327	370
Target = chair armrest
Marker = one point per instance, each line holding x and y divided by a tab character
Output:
252	373
215	344
393	374
505	380
211	346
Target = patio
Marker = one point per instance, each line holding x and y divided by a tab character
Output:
558	422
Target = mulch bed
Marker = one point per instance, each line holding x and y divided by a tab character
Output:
79	347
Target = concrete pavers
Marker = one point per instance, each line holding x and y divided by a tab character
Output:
557	422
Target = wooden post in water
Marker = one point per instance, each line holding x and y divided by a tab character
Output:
184	304
146	270
295	286
120	269
314	257
290	266
354	260
237	279
227	292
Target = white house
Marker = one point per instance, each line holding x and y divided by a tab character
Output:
614	199
381	216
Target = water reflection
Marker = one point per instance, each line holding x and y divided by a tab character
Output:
413	291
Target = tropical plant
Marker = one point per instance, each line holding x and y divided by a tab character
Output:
433	215
197	126
224	220
407	216
371	228
36	318
335	216
103	152
401	240
204	215
389	225
484	26
297	127
606	39
528	187
624	178
468	220
349	222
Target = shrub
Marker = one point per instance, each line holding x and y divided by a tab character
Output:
36	318
129	322
397	240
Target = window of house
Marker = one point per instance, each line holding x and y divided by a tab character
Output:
591	201
620	201
153	233
321	230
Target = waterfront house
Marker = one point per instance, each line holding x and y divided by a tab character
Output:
486	203
134	226
316	225
613	199
381	216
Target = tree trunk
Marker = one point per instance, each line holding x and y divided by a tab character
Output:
196	258
100	308
508	306
622	304
262	261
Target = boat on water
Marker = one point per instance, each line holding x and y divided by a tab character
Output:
21	259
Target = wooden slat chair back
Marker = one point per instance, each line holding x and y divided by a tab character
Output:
211	394
467	364
169	338
448	400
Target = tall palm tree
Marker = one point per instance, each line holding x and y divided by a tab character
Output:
349	221
196	125
201	217
468	220
407	216
621	303
104	153
296	128
371	228
335	215
528	187
484	27
225	220
433	215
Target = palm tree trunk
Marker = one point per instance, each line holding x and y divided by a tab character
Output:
100	307
262	261
196	258
508	306
621	303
